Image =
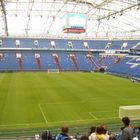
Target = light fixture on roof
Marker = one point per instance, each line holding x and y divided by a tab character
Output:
53	17
108	17
98	20
138	7
121	13
138	3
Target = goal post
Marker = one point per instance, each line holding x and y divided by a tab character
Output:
133	112
53	71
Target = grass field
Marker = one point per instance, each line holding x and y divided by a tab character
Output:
31	100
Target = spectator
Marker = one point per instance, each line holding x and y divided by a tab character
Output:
46	135
92	133
37	136
127	130
105	132
64	134
100	133
92	129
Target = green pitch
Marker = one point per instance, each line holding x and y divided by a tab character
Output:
31	100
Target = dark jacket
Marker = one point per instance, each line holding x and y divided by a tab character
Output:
127	133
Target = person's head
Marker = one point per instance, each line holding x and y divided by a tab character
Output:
92	129
65	129
126	121
100	130
104	129
84	137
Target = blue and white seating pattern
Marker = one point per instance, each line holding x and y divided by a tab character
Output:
127	66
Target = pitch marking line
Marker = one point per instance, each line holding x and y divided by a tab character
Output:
22	124
93	116
42	123
43	113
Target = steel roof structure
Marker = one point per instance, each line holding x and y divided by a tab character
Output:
44	18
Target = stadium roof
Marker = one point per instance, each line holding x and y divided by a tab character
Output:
45	18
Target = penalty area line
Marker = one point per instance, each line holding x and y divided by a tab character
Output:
93	116
41	110
22	124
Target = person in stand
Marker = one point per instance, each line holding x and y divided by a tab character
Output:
127	130
64	134
92	133
46	135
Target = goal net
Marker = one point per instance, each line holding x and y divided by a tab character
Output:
53	70
133	112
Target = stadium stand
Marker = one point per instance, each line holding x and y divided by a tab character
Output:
58	54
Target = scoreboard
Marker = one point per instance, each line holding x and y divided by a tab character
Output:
75	23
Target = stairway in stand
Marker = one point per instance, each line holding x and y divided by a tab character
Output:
56	59
73	58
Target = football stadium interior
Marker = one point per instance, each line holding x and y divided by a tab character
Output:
68	62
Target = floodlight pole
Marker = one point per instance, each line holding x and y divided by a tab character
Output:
4	16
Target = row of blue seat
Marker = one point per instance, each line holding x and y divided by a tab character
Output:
63	43
127	66
47	61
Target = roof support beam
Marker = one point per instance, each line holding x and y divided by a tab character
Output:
118	12
104	3
4	17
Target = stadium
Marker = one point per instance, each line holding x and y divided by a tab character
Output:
68	62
